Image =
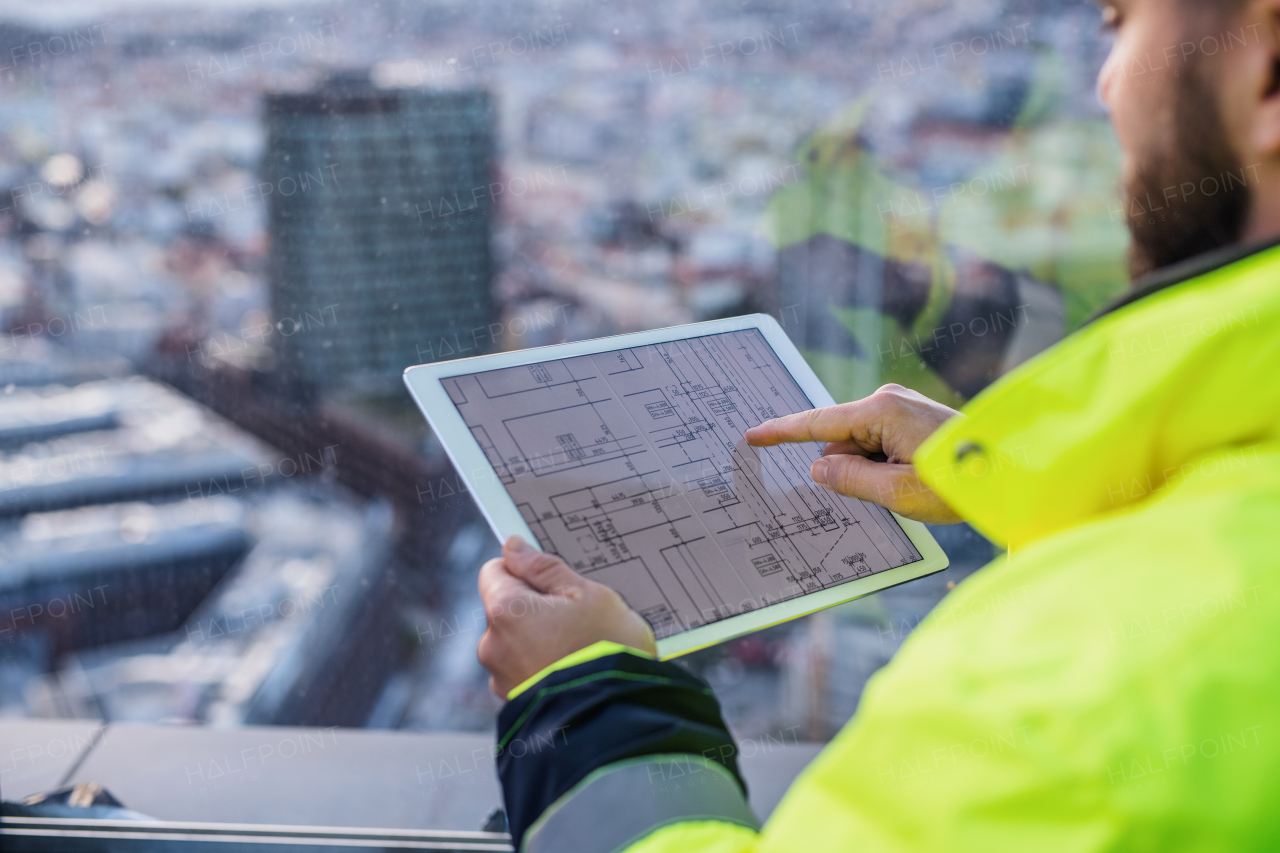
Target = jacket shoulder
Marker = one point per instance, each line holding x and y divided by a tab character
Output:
1116	678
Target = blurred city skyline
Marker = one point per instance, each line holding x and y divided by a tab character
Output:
921	192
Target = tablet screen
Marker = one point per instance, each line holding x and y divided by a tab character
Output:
631	466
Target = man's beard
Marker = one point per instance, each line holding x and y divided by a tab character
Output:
1178	222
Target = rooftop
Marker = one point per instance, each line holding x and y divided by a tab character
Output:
304	777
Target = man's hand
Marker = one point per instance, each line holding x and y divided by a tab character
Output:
871	443
540	610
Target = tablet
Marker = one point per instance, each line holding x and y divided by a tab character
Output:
625	456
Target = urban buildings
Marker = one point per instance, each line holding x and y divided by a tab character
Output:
380	212
159	564
641	163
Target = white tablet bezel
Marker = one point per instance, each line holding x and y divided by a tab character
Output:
424	383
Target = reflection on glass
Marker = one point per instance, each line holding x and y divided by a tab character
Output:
225	229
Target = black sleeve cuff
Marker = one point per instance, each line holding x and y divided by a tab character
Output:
580	719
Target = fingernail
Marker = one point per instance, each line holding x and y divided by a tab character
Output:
517	545
819	471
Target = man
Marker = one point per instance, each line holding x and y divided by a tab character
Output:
944	290
1129	698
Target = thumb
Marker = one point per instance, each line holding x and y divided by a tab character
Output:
546	573
883	483
498	585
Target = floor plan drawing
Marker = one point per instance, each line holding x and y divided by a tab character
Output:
631	466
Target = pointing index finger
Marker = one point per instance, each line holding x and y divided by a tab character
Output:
830	424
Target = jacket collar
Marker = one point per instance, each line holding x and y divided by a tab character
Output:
1187	270
1124	409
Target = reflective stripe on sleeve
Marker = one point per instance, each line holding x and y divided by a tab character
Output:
619	804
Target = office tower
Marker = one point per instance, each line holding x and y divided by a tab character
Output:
379	208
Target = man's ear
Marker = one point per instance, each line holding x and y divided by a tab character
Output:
1264	20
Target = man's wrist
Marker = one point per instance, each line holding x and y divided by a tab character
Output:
596	650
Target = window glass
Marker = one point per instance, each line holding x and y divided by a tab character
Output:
226	229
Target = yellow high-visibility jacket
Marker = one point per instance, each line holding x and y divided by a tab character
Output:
1112	683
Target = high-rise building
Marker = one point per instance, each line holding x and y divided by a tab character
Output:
379	207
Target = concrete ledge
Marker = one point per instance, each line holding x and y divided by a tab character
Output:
311	777
37	755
